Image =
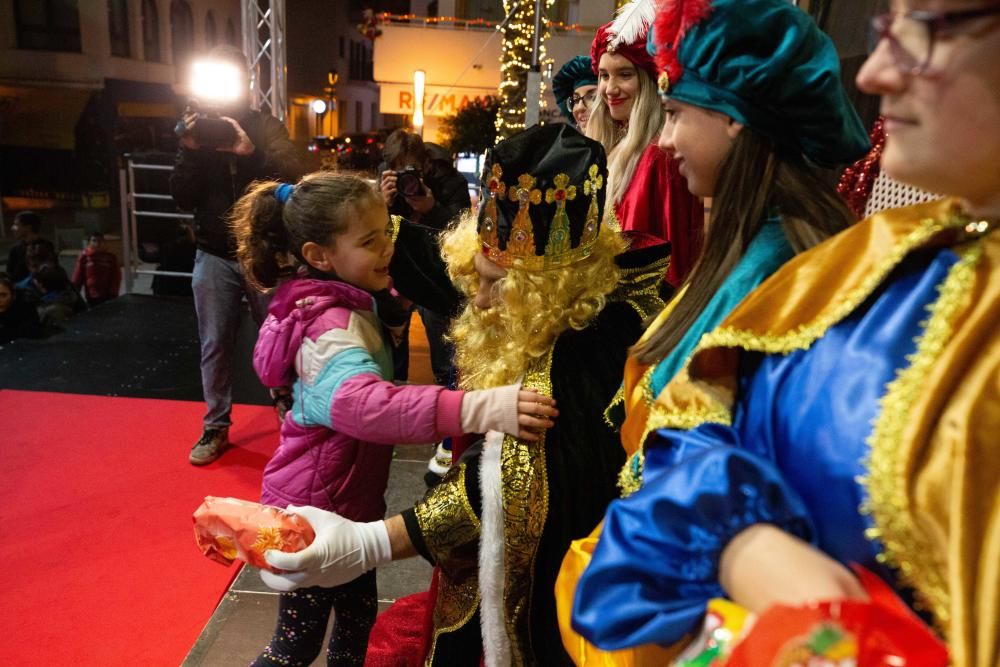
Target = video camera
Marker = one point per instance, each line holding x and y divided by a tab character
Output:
409	183
216	84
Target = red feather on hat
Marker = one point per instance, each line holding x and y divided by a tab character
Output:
673	21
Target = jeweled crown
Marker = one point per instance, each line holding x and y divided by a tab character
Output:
548	213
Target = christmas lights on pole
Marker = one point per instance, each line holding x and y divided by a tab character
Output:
518	37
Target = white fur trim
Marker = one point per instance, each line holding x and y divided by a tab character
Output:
496	644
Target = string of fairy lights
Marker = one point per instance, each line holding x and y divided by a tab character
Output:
515	60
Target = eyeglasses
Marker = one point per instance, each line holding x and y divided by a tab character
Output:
588	98
912	34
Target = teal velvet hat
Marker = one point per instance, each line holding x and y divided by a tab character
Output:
575	73
763	63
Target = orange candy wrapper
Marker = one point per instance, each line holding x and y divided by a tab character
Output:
228	528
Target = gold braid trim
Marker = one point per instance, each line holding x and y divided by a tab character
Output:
802	336
639	287
395	221
445	517
888	503
525	494
450	529
618	399
630	478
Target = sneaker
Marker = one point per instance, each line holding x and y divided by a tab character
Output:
210	446
440	463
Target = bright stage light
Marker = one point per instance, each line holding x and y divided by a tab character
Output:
216	81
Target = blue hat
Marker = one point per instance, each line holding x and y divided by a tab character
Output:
763	63
575	73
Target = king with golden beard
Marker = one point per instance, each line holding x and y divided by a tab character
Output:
554	300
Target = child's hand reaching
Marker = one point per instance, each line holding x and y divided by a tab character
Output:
534	414
522	413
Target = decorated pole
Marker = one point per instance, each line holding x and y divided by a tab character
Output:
518	55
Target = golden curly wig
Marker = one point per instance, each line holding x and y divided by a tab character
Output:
495	346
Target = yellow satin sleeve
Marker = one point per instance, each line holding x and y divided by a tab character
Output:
583	653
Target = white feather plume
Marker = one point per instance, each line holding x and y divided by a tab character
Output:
632	22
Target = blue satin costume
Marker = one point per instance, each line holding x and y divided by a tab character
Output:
792	458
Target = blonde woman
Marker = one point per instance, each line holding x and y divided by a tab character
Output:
646	193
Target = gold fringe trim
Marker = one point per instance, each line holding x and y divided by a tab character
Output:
805	335
888	503
630	479
619	399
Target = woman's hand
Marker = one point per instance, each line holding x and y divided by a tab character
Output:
534	414
764	566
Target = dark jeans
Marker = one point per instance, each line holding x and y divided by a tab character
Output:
219	288
302	619
442	352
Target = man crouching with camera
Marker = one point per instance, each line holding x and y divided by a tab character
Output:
224	146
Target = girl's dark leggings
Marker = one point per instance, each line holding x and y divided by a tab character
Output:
302	618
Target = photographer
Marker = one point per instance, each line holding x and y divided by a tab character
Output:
420	183
225	145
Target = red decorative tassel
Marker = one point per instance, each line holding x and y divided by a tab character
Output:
672	23
857	181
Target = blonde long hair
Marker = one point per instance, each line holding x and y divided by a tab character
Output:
495	346
645	121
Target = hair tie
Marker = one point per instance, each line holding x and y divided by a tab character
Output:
283	192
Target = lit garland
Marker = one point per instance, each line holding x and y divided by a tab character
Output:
413	19
515	61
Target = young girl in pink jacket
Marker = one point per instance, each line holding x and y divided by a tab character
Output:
324	338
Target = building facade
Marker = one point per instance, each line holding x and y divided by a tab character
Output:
459	49
83	82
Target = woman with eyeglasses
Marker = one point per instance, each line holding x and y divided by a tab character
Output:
575	88
649	197
848	410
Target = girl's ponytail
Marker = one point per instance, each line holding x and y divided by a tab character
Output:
261	237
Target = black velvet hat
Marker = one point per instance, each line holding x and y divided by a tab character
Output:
543	198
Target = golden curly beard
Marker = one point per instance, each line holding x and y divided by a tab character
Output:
495	346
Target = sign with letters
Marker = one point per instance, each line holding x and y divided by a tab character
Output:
397	98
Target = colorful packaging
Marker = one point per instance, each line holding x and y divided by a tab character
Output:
879	632
228	528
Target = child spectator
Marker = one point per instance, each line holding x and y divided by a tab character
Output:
18	319
58	300
97	271
325	336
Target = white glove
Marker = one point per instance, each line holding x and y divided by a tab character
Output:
491	410
342	551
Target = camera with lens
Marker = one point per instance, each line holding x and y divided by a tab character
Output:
209	130
408	182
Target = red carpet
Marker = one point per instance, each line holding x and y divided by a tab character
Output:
99	561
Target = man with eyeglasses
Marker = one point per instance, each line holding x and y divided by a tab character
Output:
575	87
848	411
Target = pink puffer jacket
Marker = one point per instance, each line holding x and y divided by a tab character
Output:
324	339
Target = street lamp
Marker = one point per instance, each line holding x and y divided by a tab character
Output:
418	101
319	108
